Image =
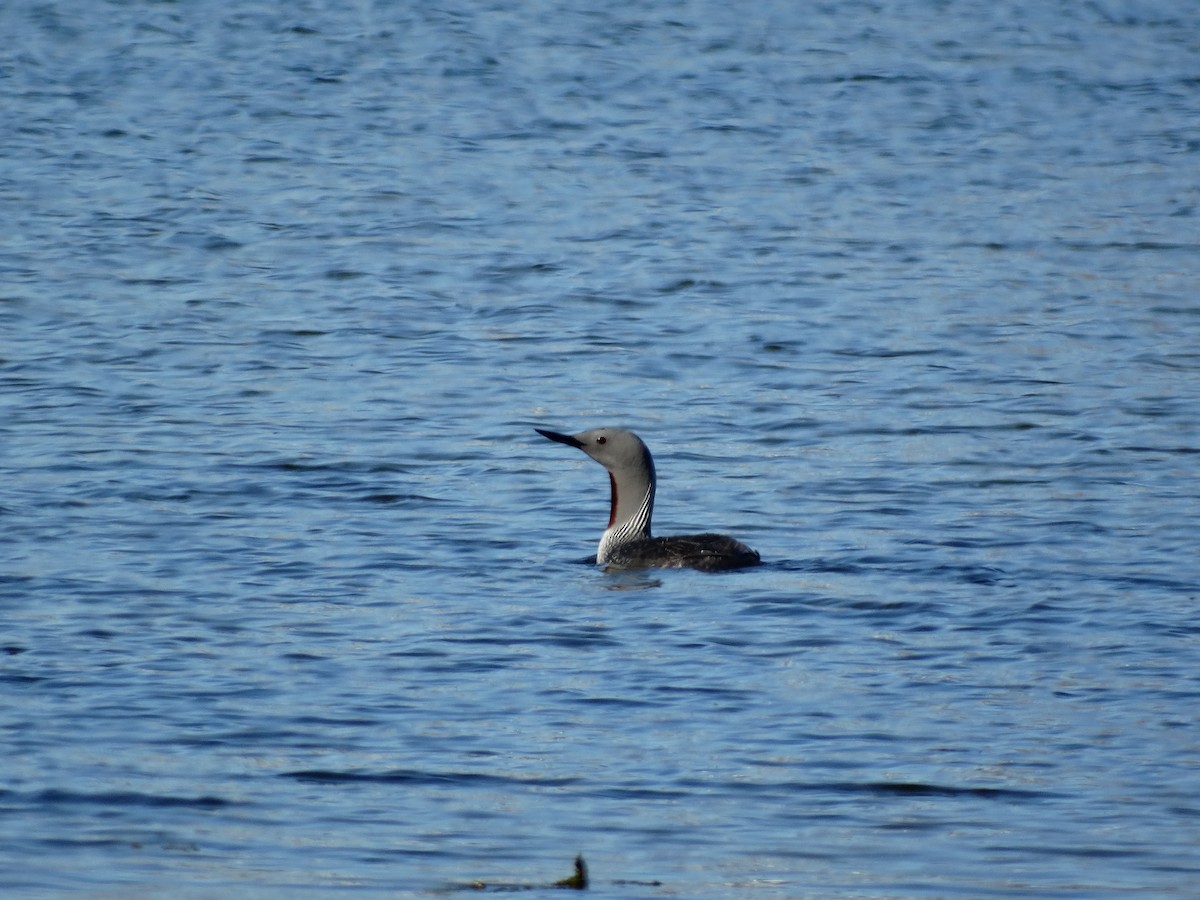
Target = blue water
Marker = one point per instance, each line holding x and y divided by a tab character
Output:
904	295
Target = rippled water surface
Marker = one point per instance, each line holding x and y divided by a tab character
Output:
904	295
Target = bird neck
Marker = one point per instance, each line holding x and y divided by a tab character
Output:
631	510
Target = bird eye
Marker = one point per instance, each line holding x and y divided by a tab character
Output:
601	440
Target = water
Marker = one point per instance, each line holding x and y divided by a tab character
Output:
902	295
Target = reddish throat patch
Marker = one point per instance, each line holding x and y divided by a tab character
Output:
612	512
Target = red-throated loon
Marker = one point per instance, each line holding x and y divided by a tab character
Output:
626	543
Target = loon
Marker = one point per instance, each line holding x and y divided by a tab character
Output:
626	543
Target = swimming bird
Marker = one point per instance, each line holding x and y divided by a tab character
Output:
626	543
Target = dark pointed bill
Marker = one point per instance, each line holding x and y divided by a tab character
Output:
561	438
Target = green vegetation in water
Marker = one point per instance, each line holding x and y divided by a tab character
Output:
576	882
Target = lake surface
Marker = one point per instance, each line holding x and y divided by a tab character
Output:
904	295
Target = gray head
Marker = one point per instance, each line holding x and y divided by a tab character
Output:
617	449
631	476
